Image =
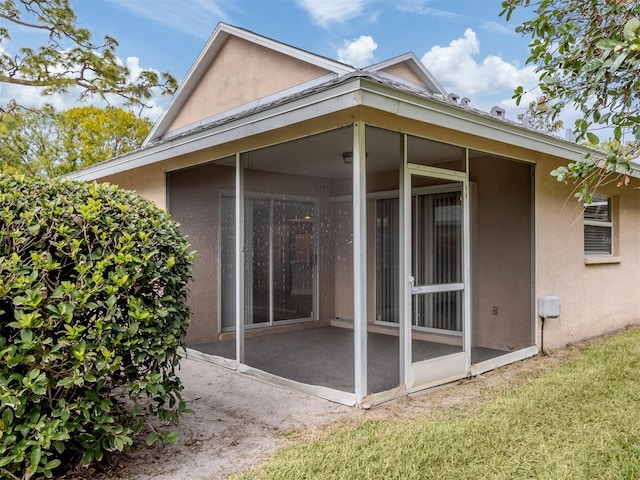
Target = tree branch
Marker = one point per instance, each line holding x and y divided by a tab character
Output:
17	21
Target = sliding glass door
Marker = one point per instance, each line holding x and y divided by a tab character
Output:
280	261
436	246
293	258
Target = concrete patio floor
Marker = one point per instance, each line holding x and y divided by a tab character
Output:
324	356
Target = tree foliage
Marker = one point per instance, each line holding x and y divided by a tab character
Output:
48	143
588	56
540	117
70	58
93	283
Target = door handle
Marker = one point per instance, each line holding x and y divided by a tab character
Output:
412	284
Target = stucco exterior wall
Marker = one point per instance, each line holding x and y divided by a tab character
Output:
242	72
343	260
502	262
595	299
195	203
402	70
148	182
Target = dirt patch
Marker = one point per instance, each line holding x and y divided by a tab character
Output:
239	421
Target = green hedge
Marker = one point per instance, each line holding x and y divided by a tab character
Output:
93	285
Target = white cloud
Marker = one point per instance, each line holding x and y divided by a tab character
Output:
327	12
491	79
499	28
418	7
359	52
194	17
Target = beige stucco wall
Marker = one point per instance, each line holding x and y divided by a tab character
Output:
343	260
242	72
402	70
594	298
147	181
196	205
501	237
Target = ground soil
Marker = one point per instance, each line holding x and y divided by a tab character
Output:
238	421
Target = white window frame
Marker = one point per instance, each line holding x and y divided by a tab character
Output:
607	250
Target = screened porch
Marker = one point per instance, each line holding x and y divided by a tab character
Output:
363	262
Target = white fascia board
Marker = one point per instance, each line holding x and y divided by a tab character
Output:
341	97
445	115
355	92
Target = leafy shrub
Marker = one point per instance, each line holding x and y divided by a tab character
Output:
92	311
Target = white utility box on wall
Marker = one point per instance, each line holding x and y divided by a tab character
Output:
549	306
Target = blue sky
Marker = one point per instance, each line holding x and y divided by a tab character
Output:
464	43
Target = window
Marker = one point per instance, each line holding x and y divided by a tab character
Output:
598	227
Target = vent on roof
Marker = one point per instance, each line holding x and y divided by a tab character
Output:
498	112
465	101
569	135
453	98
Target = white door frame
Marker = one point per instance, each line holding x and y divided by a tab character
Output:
449	367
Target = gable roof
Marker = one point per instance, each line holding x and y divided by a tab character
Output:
213	47
409	61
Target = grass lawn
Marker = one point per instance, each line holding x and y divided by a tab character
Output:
579	419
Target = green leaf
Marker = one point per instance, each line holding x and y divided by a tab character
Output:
593	138
618	62
53	464
34	459
609	44
34	229
87	458
7	417
26	335
631	28
66	382
617	133
581	125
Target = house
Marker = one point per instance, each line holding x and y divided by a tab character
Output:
375	234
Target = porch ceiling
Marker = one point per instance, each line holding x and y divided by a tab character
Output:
321	155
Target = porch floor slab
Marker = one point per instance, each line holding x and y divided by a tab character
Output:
324	356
